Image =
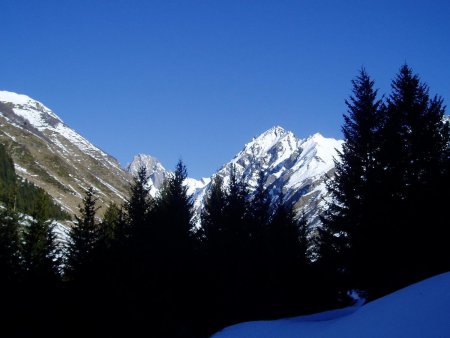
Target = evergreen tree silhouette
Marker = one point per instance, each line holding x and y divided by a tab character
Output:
287	248
10	258
351	244
12	311
40	251
214	256
138	206
383	226
112	226
212	216
414	155
175	256
83	239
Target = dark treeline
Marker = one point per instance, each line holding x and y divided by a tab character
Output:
149	268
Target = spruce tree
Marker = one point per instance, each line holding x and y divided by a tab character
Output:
112	226
138	207
14	301
214	253
40	252
286	260
174	208
83	239
236	213
348	233
414	155
175	271
10	258
212	216
260	207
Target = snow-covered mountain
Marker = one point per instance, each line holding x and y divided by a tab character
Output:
52	155
155	170
55	157
157	174
298	167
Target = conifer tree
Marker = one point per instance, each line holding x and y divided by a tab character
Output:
260	207
40	251
212	217
12	296
10	267
414	155
389	187
174	208
349	218
175	267
112	226
138	206
236	213
83	238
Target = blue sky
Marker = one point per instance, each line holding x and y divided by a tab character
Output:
198	79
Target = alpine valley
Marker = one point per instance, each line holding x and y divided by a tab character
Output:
53	156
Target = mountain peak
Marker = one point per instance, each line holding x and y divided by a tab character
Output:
269	138
151	163
24	100
6	96
275	131
30	109
316	136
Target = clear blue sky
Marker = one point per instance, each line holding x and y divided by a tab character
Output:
198	79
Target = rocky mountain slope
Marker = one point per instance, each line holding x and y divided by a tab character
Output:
297	167
53	156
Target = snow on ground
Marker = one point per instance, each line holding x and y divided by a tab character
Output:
421	310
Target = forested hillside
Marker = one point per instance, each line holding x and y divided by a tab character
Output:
22	195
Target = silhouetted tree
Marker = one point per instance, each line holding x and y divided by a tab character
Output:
174	256
351	243
83	239
40	252
414	157
10	258
138	206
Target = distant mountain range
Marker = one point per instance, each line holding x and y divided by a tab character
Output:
55	157
297	167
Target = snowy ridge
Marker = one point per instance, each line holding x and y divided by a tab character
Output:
54	156
418	311
157	174
297	167
27	103
44	120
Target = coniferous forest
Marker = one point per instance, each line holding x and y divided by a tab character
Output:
149	268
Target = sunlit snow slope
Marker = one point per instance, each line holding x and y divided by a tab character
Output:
421	310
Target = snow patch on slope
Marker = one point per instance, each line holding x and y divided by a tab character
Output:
44	120
420	310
